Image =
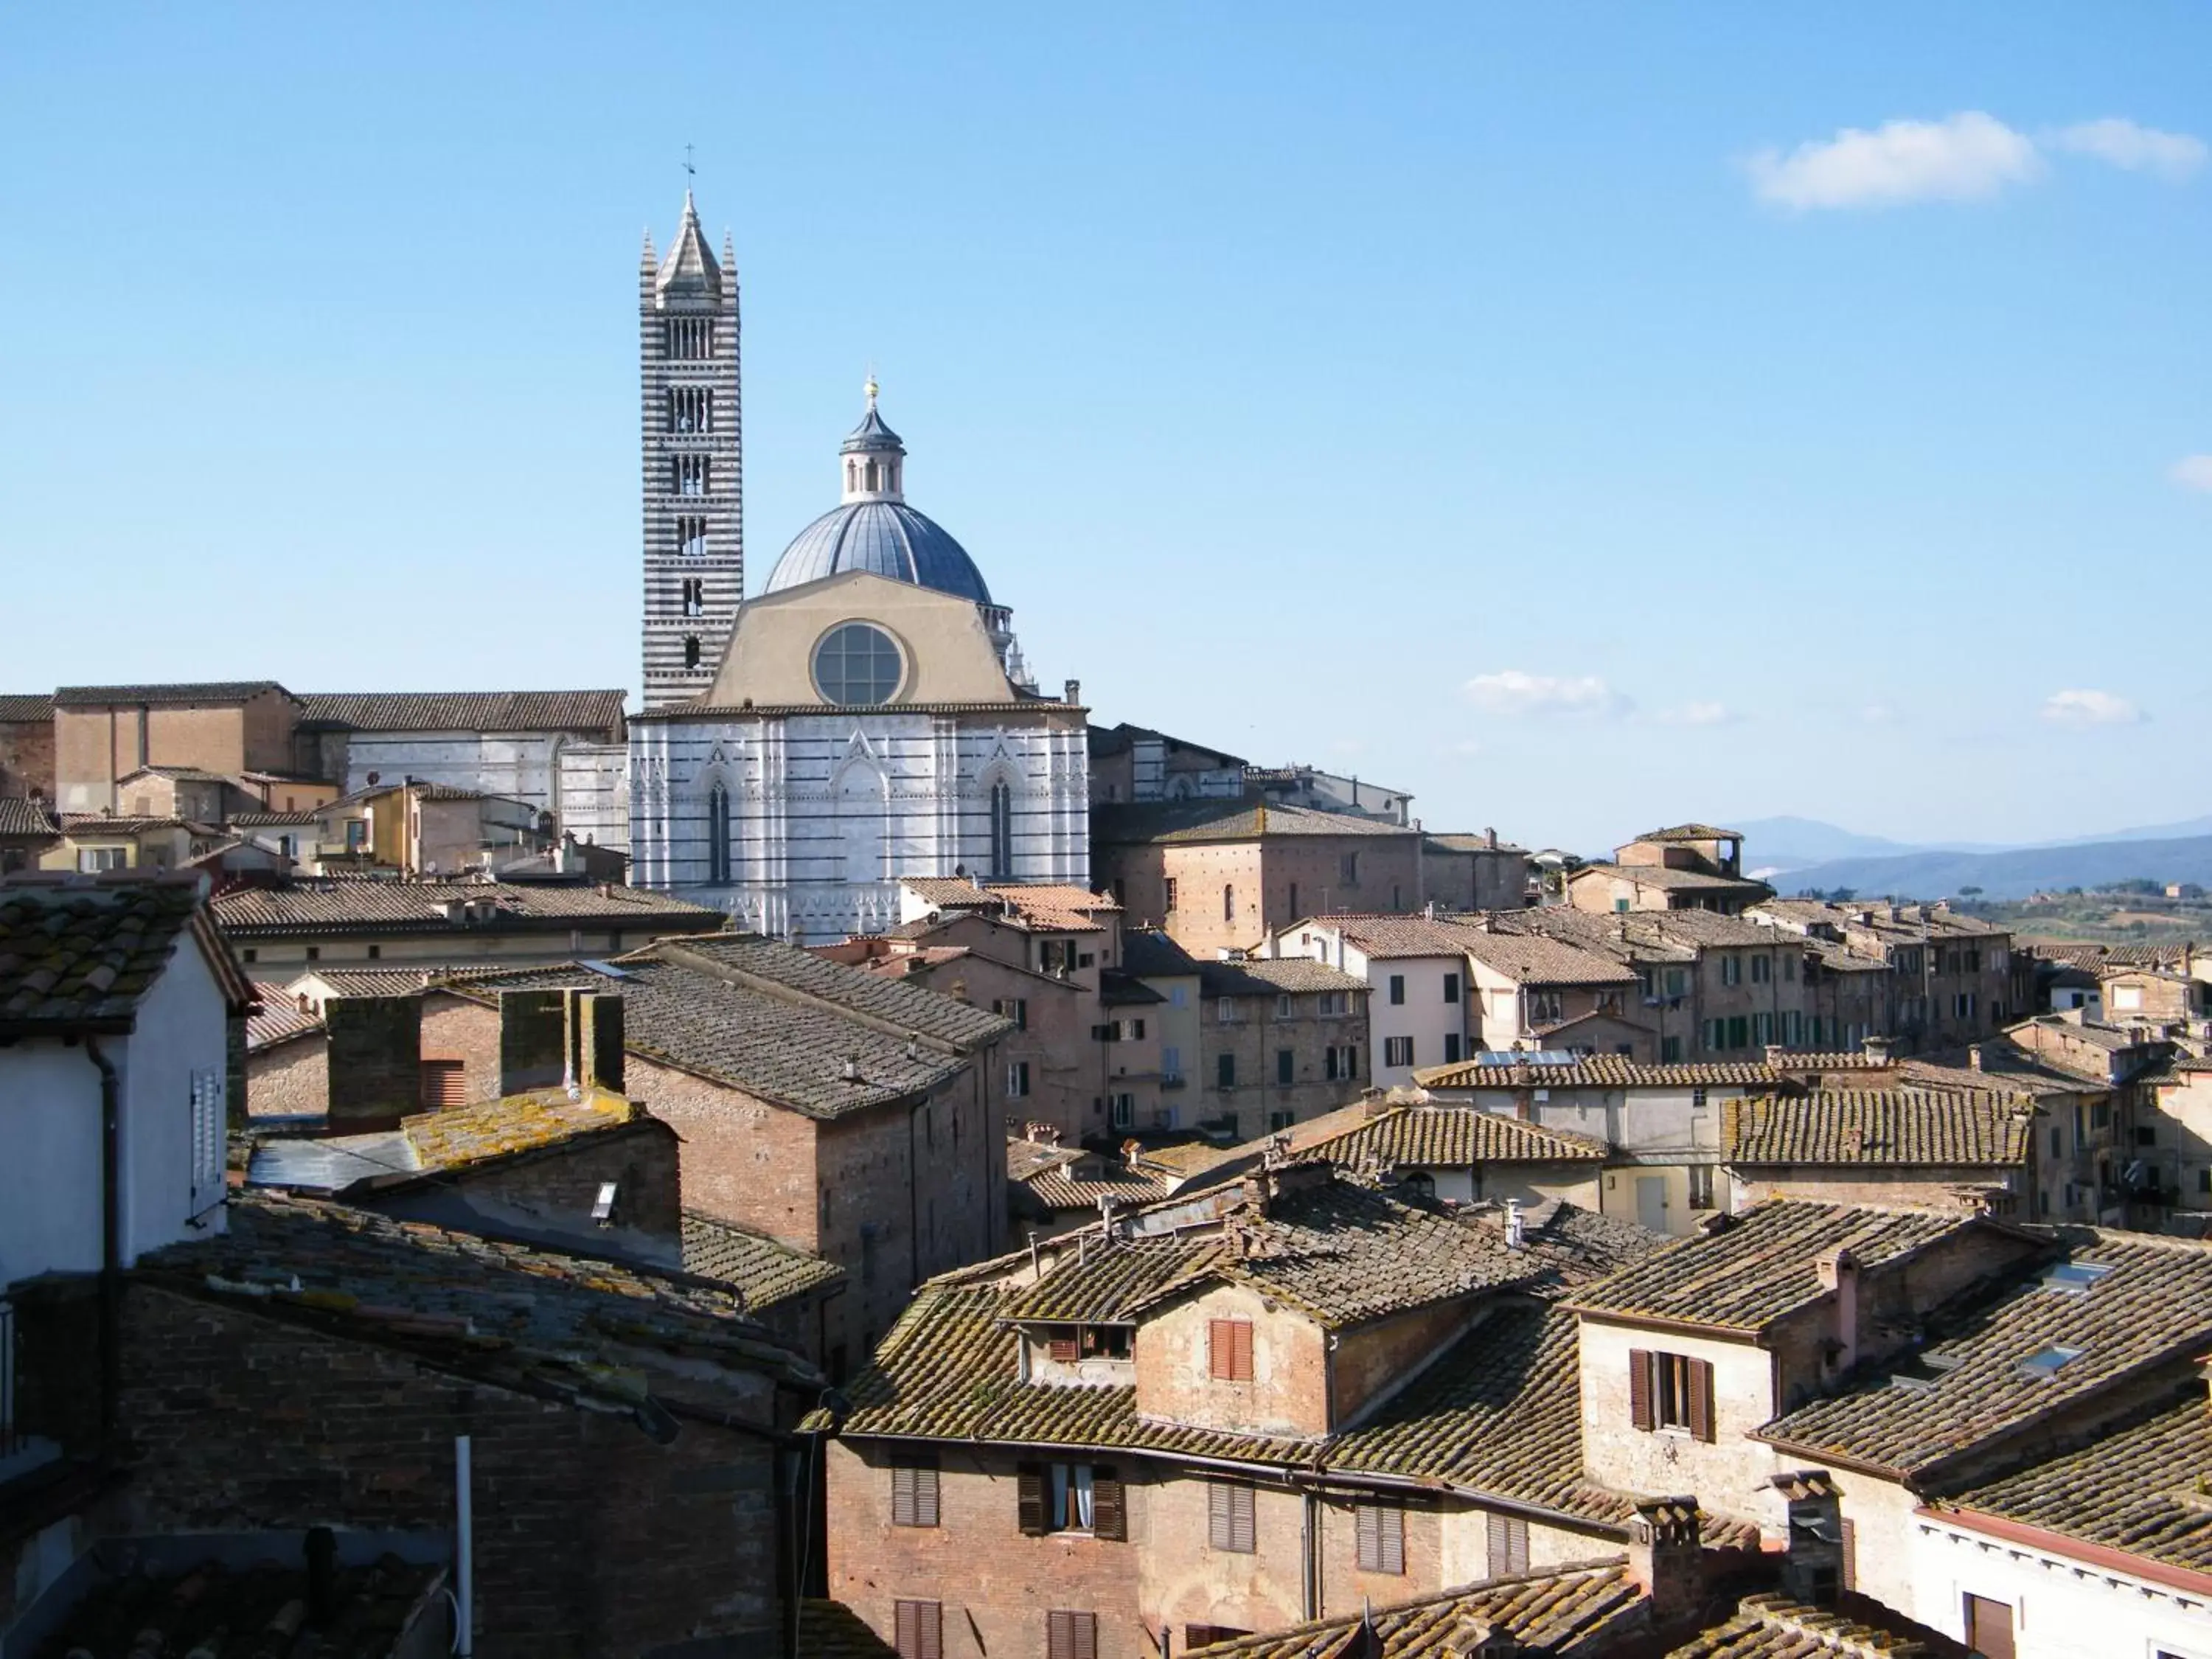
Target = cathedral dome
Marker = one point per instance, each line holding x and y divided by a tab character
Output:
873	529
887	538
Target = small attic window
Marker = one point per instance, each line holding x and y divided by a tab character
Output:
603	1207
2074	1277
2046	1364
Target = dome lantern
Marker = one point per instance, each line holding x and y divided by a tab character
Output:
872	457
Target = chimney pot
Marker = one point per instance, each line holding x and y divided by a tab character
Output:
1813	1570
1074	689
1666	1556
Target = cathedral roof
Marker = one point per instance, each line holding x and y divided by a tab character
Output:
888	538
689	269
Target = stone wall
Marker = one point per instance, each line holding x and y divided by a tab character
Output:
26	757
292	1080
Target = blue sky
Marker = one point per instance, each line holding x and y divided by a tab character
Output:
1586	418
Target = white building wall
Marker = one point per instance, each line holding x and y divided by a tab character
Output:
522	764
828	811
2063	1608
594	793
1424	1016
50	1178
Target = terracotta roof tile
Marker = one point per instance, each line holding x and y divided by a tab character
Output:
598	713
74	952
1560	1611
22	817
316	908
1753	1272
2151	1303
190	695
765	1272
1884	1127
1452	1136
2140	1490
280	1020
1247	819
1856	1627
1268	976
1619	1072
25	707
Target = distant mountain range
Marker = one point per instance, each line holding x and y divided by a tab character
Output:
1797	854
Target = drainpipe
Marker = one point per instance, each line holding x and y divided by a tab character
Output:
464	1559
111	1247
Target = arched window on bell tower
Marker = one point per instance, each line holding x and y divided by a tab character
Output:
1002	831
718	835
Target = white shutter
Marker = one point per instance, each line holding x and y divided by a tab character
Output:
207	1126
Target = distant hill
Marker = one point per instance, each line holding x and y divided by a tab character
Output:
1789	843
2010	874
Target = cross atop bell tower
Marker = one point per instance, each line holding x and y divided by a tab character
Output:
693	457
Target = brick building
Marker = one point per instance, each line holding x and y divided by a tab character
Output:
843	1115
1098	1438
1221	875
27	830
1280	1041
1886	1146
27	745
1688	866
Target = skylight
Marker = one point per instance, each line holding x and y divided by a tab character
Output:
2075	1277
2044	1365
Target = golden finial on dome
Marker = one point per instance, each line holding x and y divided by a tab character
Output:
871	388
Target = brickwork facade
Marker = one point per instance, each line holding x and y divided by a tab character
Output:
1230	895
292	1080
592	1539
26	754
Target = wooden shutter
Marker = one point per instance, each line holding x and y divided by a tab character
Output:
1059	1347
920	1630
1851	1573
903	1505
1989	1627
1229	1350
1109	1514
1382	1538
913	1494
1509	1545
1071	1635
1241	1334
1640	1409
1029	1499
445	1084
1230	1517
1701	1399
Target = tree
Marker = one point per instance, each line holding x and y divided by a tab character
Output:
1969	891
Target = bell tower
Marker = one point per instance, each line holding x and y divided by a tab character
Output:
693	449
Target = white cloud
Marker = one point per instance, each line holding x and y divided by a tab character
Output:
2086	708
1511	691
1961	157
1699	713
2193	472
2173	156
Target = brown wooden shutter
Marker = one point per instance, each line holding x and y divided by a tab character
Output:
1851	1573
1369	1548
1219	1349
1071	1635
1382	1538
1243	1535
1701	1399
1086	1630
924	1497
444	1084
903	1498
1240	1331
1640	1390
920	1630
1989	1627
1217	1514
1109	1517
1029	1498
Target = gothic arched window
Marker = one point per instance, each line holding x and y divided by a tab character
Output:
718	834
690	650
1002	832
871	475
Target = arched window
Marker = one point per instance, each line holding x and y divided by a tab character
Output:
690	650
718	834
1229	902
871	475
1002	832
851	475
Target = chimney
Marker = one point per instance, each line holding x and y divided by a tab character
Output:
1775	1055
1877	1049
374	1061
1813	1570
1839	1271
1666	1558
1429	910
1074	690
1515	1228
598	1045
1490	839
1974	1057
533	1041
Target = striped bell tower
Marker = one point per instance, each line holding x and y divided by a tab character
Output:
693	460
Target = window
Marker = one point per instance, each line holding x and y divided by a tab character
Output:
1382	1532
314	953
1229	1350
688	474
1348	869
443	1085
1678	981
1224	1011
914	1491
1229	1522
856	665
1545	1007
1762	969
688	339
1102	1341
919	1630
691	650
1225	1071
1002	831
1739	1032
1762	1028
1670	1050
1294	898
1331	1005
208	1140
1170	1062
718	834
1340	1062
1731	969
101	858
1451	1048
1018	1079
1125	1112
1170	903
1789	967
1284	1006
1989	1627
1451	987
1229	902
1701	1186
1670	1391
1071	1635
1014	1008
1070	1497
1279	1121
1398	1051
690	535
1287	1067
1509	1545
1397	990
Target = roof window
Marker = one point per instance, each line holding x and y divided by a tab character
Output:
2074	1277
2045	1365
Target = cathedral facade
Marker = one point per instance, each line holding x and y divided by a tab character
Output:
870	718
